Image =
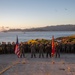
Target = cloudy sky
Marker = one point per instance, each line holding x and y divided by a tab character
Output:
36	13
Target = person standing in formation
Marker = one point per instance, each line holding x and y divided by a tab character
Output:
33	51
41	52
57	50
48	50
22	53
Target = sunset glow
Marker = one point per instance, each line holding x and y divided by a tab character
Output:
36	13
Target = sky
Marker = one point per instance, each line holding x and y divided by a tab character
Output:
36	13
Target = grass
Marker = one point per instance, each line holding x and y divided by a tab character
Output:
66	39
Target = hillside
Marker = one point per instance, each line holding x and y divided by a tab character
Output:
49	28
66	39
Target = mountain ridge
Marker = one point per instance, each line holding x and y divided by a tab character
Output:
49	28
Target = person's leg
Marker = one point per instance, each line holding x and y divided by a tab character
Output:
47	55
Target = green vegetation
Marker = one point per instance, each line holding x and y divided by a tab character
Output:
67	39
36	41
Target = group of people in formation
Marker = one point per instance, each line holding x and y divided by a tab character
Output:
40	51
43	49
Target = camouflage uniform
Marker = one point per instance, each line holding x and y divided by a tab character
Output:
68	47
48	50
58	50
63	48
22	53
0	48
9	47
33	51
41	52
4	48
13	47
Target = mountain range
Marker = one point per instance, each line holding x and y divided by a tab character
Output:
49	28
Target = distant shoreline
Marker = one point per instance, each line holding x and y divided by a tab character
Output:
68	27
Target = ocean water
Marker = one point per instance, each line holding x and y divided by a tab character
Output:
11	36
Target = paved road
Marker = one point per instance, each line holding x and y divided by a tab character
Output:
65	65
